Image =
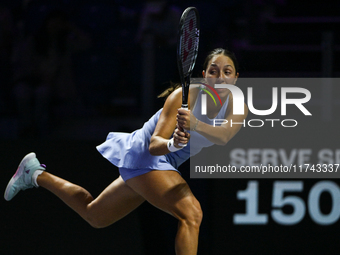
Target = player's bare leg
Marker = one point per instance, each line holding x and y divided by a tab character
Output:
115	202
168	191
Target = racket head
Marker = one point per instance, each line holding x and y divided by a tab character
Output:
187	48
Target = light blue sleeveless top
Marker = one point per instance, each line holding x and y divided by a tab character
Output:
131	150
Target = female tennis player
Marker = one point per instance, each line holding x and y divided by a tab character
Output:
148	160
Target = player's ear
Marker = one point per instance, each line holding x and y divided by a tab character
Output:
203	74
237	75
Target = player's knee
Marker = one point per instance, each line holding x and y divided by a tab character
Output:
94	218
93	221
192	215
96	223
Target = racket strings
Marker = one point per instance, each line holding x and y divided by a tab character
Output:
188	42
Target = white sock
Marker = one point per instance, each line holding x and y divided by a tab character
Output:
35	176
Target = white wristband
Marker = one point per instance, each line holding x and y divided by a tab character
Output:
171	146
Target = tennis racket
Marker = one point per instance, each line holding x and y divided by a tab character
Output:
187	49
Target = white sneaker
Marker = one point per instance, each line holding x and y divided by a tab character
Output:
22	179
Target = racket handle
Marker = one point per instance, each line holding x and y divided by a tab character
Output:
184	106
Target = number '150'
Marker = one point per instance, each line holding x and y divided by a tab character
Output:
281	198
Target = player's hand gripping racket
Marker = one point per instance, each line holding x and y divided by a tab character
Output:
187	49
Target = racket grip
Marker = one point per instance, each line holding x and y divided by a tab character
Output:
184	106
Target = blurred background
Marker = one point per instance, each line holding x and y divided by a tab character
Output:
71	71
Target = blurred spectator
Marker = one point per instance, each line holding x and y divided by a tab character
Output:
43	75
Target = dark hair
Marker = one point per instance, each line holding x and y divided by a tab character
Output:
215	52
219	51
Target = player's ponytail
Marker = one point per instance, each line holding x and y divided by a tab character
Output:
168	91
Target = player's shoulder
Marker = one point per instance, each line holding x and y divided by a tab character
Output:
175	95
174	100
